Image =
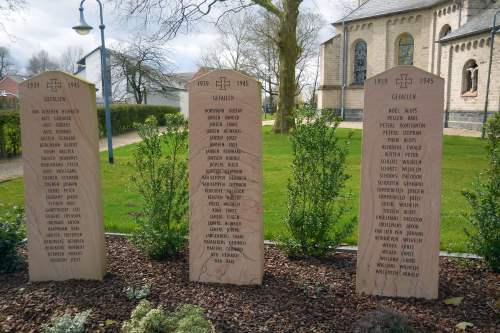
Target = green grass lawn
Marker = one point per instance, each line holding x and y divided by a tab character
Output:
463	159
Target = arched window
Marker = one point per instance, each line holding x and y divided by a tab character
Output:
360	50
405	50
445	30
469	78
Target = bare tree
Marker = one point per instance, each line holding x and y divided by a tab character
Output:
308	31
312	99
234	45
41	62
169	16
69	58
7	65
264	61
249	42
139	68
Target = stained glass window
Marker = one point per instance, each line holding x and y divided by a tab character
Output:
405	50
360	62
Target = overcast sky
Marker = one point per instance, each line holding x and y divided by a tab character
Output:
46	24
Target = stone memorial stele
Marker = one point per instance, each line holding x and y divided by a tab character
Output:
60	145
226	243
398	252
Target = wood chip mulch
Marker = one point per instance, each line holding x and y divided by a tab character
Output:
304	295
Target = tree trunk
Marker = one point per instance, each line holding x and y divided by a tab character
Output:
138	95
271	97
288	54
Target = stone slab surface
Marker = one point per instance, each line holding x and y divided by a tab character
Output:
62	178
226	243
401	184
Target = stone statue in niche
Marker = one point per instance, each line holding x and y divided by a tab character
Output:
471	79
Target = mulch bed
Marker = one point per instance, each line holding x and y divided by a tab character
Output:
303	295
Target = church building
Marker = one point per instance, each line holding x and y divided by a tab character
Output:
450	38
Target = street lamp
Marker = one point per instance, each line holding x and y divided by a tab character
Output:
494	30
83	28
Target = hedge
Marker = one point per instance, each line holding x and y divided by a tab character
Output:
10	133
123	117
8	103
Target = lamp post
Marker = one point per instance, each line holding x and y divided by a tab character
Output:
492	45
83	28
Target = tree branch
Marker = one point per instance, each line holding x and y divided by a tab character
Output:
269	6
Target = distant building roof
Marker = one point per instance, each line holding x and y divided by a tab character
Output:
330	38
9	85
178	81
82	60
183	77
477	24
374	8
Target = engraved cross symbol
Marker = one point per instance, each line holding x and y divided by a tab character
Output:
53	85
223	83
404	81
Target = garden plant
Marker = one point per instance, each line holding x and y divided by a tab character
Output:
484	199
186	319
67	323
161	178
316	196
12	233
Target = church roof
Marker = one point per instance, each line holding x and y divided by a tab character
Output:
478	24
374	8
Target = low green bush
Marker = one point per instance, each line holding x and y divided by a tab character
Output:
484	200
67	323
317	201
186	319
10	133
137	293
124	116
12	233
161	179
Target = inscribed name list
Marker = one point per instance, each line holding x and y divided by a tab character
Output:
60	140
401	184
225	179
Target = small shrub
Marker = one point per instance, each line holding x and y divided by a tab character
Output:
315	199
484	200
67	324
146	319
162	181
12	232
138	293
12	139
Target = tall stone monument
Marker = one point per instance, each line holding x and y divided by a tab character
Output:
226	242
398	251
60	144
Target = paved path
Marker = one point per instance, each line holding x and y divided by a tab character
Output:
12	168
359	125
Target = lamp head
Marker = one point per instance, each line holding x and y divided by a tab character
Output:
82	28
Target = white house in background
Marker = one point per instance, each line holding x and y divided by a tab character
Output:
172	92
